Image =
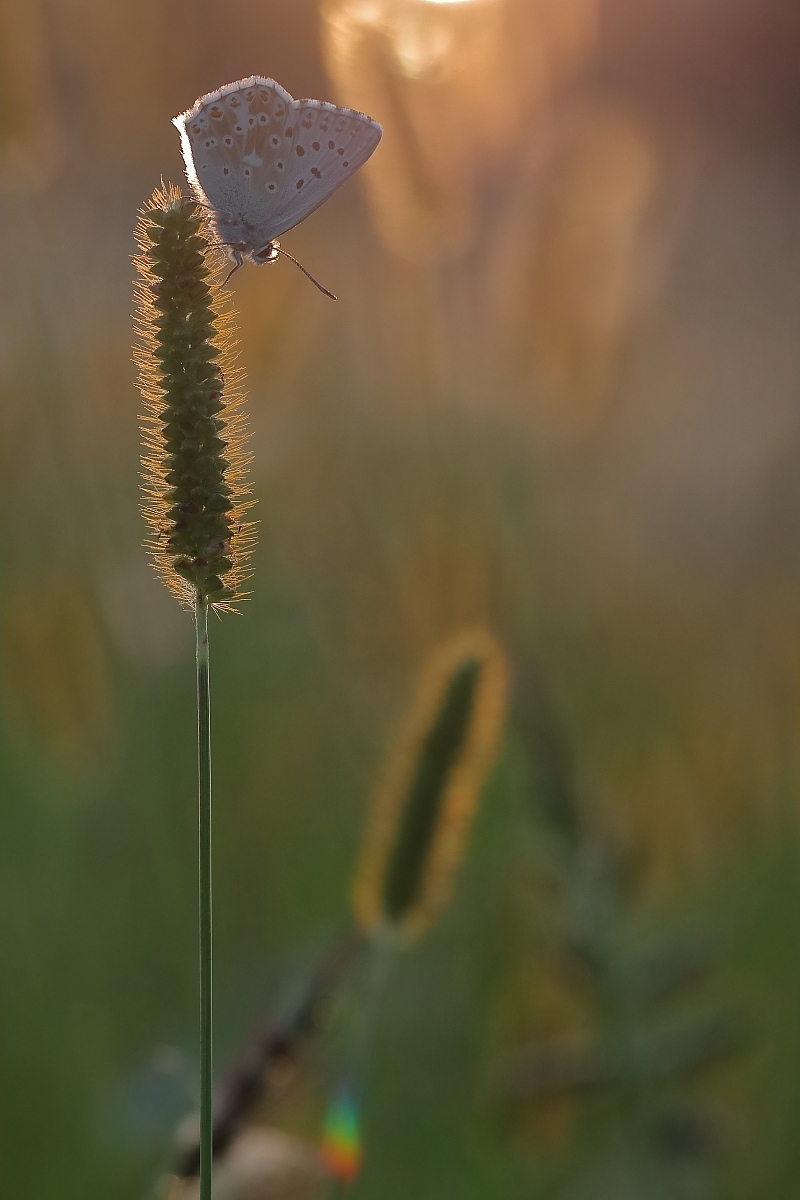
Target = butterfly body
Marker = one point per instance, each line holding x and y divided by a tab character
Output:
262	161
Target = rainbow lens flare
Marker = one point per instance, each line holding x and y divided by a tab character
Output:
342	1151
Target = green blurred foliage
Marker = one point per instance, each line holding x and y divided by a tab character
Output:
578	426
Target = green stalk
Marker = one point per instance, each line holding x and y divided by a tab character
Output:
195	490
204	799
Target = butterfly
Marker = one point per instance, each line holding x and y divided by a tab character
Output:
261	161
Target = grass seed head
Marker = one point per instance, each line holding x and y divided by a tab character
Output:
420	817
194	461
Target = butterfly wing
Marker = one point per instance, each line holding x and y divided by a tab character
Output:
236	145
264	161
329	145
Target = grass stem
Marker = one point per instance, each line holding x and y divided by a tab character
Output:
204	841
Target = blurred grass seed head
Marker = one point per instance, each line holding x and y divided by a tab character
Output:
421	813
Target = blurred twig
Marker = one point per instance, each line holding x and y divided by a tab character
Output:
270	1054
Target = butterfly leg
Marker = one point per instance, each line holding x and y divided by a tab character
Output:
236	255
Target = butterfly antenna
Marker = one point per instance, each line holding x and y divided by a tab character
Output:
308	274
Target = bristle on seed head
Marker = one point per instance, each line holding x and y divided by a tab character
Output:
194	494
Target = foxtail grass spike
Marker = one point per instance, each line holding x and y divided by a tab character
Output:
194	463
422	811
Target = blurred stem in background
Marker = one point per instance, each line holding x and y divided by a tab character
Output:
271	1056
640	1134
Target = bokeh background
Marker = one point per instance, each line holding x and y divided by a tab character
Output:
558	396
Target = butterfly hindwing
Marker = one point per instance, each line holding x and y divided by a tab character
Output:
330	144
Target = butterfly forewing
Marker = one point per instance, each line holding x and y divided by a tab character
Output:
264	161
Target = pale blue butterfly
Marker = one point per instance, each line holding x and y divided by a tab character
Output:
262	161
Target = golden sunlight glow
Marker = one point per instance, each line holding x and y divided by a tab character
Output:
463	88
